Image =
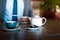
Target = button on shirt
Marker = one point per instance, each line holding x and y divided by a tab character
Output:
9	8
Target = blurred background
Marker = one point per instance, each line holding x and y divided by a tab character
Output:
47	8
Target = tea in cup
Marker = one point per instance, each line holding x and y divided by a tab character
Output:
11	24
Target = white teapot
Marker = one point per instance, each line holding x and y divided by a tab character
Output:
37	20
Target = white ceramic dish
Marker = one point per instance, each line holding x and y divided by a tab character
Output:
18	28
40	27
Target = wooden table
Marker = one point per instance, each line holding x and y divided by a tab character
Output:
49	31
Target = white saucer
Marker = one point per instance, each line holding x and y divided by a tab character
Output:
33	28
18	28
40	27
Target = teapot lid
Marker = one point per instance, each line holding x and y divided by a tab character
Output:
36	16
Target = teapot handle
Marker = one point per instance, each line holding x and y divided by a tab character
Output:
44	21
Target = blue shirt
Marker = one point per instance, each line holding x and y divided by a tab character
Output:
9	8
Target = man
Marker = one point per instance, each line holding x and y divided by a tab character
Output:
6	11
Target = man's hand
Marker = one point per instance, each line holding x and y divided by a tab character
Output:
24	19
